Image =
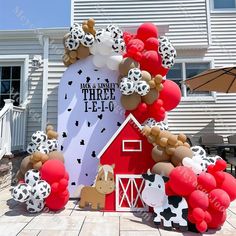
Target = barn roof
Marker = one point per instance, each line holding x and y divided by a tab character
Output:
130	117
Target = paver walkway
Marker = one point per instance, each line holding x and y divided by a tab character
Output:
14	220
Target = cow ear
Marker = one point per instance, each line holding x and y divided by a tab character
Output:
145	176
165	178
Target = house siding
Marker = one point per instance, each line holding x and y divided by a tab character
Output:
29	47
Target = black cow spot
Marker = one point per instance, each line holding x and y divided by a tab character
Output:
106	80
89	124
35	178
174	201
118	124
98	78
31	202
80	72
31	209
79	161
93	154
62	148
100	116
65	96
167	214
82	142
69	109
24	191
87	79
70	82
77	123
86	174
185	213
95	69
64	135
103	130
150	178
73	183
37	197
20	196
165	178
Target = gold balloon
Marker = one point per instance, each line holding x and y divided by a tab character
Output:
55	155
159	154
146	76
151	97
127	64
179	154
130	102
82	52
162	168
26	165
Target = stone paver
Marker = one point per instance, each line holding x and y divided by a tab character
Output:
15	220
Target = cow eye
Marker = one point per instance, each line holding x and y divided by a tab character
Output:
159	186
149	184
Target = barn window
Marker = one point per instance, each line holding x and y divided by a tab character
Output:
131	145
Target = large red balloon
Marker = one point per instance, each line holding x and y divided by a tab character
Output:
52	171
151	61
170	95
206	182
152	44
182	180
56	202
218	218
147	30
219	200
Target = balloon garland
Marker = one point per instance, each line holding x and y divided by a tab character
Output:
142	59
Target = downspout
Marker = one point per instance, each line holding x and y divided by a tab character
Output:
45	82
208	18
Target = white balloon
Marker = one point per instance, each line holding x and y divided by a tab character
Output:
113	62
94	48
104	49
187	162
99	60
106	37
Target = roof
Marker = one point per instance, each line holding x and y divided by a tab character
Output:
130	117
33	33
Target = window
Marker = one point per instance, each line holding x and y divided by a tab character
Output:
10	79
131	145
185	70
224	4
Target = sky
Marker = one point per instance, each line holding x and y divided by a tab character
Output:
30	14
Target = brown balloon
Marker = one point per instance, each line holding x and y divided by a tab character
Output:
49	127
26	165
159	154
73	54
82	52
52	134
55	155
151	139
130	102
127	64
146	76
151	97
179	154
162	168
19	175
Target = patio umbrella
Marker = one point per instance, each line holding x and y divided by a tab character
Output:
218	80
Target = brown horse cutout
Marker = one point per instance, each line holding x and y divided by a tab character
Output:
104	184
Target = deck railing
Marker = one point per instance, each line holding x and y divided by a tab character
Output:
12	128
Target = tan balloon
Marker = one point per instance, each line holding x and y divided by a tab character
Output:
130	102
159	154
127	64
151	97
26	165
52	134
82	52
146	76
55	155
37	165
162	168
179	154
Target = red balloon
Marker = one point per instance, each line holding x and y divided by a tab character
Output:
147	30
151	62
170	95
56	202
135	45
63	184
52	171
182	180
198	214
198	199
152	44
206	182
202	226
218	218
219	200
208	217
229	186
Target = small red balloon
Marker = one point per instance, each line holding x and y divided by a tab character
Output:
206	182
56	202
147	30
198	214
152	44
198	199
170	95
218	218
229	186
202	226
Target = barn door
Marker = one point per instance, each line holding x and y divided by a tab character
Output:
128	193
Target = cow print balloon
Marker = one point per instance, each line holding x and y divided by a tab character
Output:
21	192
43	148
71	44
115	31
31	177
127	87
134	74
99	35
87	40
38	137
142	88
40	190
34	205
118	45
52	145
31	148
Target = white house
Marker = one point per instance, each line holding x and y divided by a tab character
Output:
203	32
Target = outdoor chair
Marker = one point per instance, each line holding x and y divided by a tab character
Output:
208	140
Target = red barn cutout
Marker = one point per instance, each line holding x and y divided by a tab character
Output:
129	150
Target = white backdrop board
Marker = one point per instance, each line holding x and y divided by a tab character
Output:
89	113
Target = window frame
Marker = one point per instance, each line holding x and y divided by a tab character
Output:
222	10
183	61
132	150
23	62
